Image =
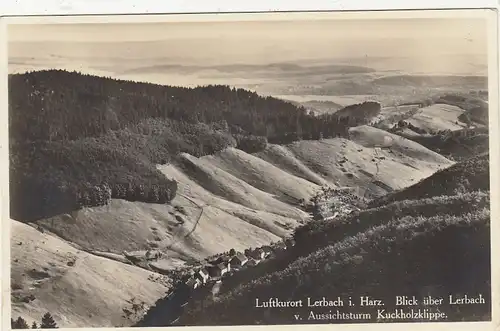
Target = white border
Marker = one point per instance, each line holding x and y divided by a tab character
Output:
110	6
75	7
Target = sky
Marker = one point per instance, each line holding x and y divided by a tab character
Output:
447	43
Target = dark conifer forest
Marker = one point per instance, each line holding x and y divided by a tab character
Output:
79	140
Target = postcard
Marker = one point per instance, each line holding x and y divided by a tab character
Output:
328	168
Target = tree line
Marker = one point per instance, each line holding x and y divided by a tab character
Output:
61	105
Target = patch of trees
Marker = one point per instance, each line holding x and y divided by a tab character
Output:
64	176
250	144
60	105
404	124
46	323
360	113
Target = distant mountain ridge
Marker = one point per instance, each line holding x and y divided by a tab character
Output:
280	68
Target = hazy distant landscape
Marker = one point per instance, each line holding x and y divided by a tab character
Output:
303	164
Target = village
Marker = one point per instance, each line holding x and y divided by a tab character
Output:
328	203
224	265
211	271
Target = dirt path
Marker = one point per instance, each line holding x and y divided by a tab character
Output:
178	238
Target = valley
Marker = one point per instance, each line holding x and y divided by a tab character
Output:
228	189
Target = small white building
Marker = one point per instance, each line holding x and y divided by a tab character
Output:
194	283
203	276
224	268
267	251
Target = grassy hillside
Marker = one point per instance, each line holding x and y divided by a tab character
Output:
438	117
469	175
371	137
263	175
233	199
233	188
117	169
455	145
475	106
78	288
358	163
476	109
283	158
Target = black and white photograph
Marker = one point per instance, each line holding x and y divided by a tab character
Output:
251	169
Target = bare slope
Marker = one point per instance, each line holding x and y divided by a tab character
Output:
76	287
360	162
371	137
237	200
201	230
261	219
224	213
283	158
235	189
438	117
263	175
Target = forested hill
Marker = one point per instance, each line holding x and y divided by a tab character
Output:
79	140
69	105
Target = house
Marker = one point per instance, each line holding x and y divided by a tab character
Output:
252	262
267	251
219	270
214	271
220	259
224	268
203	275
257	254
238	260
